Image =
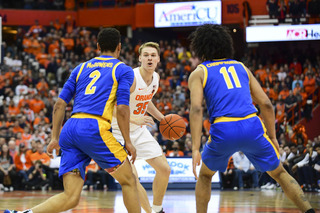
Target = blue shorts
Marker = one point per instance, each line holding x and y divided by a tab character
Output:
85	137
246	135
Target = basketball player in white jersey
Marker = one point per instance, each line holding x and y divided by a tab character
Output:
144	87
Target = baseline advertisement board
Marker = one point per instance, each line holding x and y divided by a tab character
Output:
184	14
283	33
181	171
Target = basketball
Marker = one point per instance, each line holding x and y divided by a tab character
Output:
172	127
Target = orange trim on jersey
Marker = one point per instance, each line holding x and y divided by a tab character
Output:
205	77
81	68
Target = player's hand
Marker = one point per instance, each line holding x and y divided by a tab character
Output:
144	120
196	158
131	151
54	144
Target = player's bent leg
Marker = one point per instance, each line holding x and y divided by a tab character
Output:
126	178
161	179
72	183
290	187
142	192
203	188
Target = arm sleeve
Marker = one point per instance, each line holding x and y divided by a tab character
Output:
69	87
125	76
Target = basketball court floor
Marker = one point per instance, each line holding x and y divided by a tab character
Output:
175	201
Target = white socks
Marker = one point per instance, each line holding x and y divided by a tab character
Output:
156	208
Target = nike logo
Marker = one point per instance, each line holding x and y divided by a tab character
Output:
140	88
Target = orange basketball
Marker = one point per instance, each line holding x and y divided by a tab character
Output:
172	127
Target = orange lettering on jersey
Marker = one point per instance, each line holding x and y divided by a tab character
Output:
144	97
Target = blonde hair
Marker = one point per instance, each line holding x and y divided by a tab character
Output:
150	44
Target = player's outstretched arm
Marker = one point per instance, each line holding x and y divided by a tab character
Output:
196	96
267	112
57	119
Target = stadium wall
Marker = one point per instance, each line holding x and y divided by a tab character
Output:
140	15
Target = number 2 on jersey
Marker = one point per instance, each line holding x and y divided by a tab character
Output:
227	79
90	89
141	108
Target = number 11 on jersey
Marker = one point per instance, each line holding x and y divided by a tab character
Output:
227	79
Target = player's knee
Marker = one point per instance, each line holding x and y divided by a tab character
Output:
128	180
277	173
73	201
205	176
166	170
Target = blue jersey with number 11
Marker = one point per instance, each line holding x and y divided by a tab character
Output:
227	89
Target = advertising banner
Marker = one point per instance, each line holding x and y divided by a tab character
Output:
181	171
184	14
283	33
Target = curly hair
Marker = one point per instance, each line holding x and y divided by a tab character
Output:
211	41
108	39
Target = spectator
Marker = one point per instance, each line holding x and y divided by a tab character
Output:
37	177
297	79
282	12
41	156
23	163
35	29
272	8
42	87
12	147
188	147
36	104
290	102
7	171
228	177
304	170
243	167
91	173
13	109
294	11
175	152
309	83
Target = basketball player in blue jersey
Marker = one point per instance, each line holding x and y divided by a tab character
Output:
229	89
96	86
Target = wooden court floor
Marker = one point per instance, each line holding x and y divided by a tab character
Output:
175	201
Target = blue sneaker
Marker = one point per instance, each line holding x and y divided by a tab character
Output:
10	211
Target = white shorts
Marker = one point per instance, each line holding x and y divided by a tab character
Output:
146	146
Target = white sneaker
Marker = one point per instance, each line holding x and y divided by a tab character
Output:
265	185
235	188
11	189
271	186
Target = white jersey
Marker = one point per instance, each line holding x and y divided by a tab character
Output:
139	98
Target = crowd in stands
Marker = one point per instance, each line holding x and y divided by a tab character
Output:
296	9
35	68
70	4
